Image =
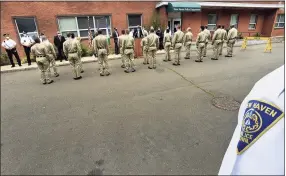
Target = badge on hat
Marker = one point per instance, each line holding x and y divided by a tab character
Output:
258	118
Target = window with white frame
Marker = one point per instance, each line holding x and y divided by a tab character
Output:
134	21
28	25
234	20
252	22
280	21
79	25
212	19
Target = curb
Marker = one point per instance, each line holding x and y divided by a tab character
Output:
94	59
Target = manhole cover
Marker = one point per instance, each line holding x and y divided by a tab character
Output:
226	103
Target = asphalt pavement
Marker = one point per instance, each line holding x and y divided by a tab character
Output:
148	122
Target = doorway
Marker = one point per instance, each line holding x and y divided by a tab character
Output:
172	24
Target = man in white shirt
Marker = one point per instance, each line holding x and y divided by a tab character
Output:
168	32
10	47
27	43
257	145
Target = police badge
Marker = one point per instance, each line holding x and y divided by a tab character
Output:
258	118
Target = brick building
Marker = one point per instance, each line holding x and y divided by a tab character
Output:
266	18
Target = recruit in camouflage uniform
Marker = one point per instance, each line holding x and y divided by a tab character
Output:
232	34
167	45
224	34
152	47
100	46
128	49
143	44
216	42
80	62
40	52
51	55
208	35
120	45
72	51
188	43
201	44
177	44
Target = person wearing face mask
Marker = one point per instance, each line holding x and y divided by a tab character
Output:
10	47
59	41
27	43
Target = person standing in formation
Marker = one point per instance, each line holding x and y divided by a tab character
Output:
72	51
115	38
232	34
120	45
201	44
10	47
160	35
216	42
128	49
188	43
167	44
177	44
208	38
152	47
59	41
80	62
51	55
224	34
144	49
27	43
100	46
40	53
165	32
257	144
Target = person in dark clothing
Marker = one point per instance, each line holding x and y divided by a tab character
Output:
138	32
160	35
58	41
115	38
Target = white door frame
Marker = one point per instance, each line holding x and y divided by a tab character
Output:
175	19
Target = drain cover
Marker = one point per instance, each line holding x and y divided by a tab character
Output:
226	103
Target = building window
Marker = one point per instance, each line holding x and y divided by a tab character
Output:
212	19
79	25
234	20
280	21
134	21
27	25
252	22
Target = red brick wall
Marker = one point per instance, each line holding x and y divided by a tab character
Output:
278	32
268	24
46	14
163	16
193	20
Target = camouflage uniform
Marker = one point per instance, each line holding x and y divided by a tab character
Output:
208	35
73	51
128	49
167	44
152	47
120	45
144	49
51	56
100	46
216	42
224	34
177	45
201	44
188	43
40	52
232	34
